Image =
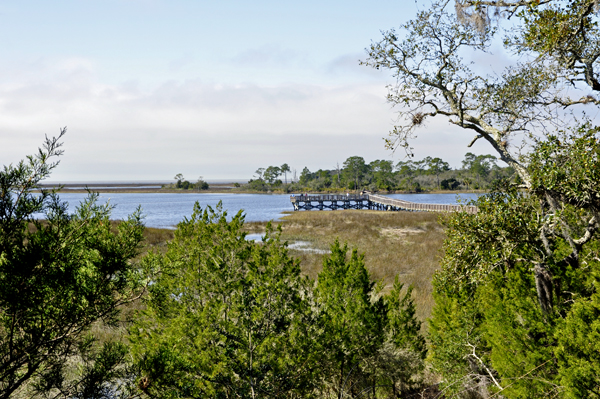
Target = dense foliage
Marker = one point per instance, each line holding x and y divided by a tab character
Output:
226	318
516	299
477	172
58	278
368	347
229	317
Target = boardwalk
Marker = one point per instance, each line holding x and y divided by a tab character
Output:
369	201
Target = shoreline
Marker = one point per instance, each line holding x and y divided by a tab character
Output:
124	188
226	188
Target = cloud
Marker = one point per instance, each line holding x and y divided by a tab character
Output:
121	132
135	132
181	105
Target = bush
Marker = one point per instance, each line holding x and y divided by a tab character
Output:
258	185
449	184
228	317
201	185
58	277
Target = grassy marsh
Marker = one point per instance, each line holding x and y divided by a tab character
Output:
407	244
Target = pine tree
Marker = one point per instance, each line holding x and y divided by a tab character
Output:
371	345
227	317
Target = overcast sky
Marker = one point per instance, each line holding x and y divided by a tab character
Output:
152	88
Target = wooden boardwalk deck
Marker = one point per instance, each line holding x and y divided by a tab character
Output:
369	201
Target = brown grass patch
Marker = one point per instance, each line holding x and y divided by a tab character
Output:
406	244
157	238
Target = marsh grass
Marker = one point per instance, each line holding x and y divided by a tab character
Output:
156	238
407	244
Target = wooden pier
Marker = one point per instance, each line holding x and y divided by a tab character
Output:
369	201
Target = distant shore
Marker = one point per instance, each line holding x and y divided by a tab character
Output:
215	188
134	188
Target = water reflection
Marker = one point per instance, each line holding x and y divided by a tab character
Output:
303	246
254	237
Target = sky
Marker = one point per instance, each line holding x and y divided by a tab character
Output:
151	88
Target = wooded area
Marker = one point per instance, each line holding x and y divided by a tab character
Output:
217	315
478	172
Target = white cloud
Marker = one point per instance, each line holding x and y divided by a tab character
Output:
123	127
196	128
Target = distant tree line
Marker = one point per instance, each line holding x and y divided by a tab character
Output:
182	184
477	172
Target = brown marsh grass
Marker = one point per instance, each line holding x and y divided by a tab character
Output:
156	238
407	244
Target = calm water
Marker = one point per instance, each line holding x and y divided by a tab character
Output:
166	210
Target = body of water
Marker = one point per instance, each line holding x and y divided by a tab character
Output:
108	187
165	210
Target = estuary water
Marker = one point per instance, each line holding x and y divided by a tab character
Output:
165	210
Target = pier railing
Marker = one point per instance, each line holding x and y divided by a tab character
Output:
329	197
370	201
414	206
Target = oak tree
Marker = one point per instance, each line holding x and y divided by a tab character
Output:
517	277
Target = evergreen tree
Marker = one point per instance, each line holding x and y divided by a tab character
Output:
305	176
516	297
400	360
382	174
354	171
285	169
59	277
369	346
227	317
353	324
